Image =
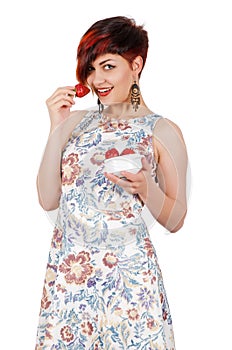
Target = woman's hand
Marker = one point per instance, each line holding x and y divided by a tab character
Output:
134	183
59	104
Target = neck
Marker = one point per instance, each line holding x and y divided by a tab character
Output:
125	110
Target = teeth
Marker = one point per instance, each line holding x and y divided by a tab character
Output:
103	90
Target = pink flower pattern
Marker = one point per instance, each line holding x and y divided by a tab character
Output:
70	169
76	269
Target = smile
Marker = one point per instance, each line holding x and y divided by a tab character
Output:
104	92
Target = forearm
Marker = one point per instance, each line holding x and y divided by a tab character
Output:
62	123
49	176
169	212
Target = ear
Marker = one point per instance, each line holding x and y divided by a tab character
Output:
137	64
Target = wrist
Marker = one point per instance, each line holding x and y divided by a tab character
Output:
147	189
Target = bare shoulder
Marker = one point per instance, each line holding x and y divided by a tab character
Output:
164	125
168	140
73	120
167	129
66	128
76	116
175	126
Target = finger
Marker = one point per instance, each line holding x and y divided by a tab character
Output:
60	100
59	105
115	179
65	104
64	98
133	177
66	90
145	164
62	91
122	182
128	186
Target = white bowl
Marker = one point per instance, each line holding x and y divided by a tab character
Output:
127	162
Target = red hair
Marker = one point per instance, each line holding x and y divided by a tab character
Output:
116	35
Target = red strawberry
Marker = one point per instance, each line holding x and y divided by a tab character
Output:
81	90
111	153
127	151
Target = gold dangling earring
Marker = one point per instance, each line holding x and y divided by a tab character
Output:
135	96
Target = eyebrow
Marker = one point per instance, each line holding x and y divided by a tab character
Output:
108	59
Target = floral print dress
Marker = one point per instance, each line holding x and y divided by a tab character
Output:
103	288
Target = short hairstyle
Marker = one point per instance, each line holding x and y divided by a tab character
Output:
117	35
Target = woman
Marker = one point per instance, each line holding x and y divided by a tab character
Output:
103	287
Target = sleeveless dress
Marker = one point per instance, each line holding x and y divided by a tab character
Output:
103	287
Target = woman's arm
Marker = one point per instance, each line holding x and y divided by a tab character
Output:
62	123
49	177
166	202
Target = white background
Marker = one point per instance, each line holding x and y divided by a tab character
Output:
187	78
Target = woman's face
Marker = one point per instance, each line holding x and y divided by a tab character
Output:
110	77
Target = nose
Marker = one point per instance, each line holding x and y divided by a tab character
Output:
96	78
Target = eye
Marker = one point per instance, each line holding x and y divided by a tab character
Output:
90	69
108	66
